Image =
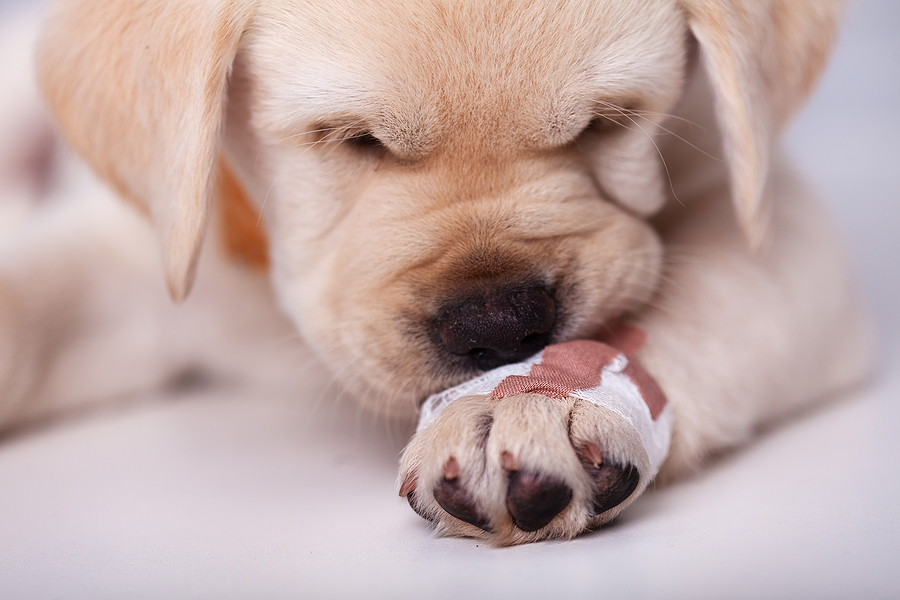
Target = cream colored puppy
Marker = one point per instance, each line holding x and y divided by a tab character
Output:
449	186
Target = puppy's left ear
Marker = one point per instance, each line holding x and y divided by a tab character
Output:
763	58
138	88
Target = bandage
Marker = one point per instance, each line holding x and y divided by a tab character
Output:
590	370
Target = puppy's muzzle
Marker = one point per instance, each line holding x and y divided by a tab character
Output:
499	327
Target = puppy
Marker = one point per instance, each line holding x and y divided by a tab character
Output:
439	188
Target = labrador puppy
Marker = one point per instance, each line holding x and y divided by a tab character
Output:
437	188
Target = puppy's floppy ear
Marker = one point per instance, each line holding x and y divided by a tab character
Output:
138	88
762	58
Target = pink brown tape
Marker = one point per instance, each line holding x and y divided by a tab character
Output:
593	371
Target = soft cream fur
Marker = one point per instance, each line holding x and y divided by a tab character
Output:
574	144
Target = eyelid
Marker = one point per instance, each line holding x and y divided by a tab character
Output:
614	113
351	134
361	137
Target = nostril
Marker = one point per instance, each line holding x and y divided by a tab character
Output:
535	339
498	328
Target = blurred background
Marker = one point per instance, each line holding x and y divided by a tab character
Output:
847	142
229	498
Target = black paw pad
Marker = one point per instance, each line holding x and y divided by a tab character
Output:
414	504
451	496
533	501
613	484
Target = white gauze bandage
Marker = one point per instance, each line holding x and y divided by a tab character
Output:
588	370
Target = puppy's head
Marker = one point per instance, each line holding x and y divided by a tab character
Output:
448	186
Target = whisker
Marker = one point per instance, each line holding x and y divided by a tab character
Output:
623	112
262	207
683	139
671	116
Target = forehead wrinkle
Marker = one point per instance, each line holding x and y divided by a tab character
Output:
492	64
412	66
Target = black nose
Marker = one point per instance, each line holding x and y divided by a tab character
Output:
498	328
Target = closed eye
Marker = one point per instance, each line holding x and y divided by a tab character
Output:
600	126
352	136
363	141
610	116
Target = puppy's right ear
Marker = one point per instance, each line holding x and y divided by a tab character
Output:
138	89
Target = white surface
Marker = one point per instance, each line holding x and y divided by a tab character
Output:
226	498
237	494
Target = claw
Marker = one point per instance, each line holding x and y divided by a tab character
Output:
409	484
451	469
508	461
592	453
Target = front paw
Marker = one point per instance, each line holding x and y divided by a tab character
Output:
544	449
523	468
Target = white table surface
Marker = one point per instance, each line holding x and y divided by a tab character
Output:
228	493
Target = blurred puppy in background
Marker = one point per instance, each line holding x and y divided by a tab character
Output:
436	189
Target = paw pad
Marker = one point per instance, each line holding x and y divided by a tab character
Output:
452	496
534	500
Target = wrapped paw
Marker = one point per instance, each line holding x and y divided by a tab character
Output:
545	448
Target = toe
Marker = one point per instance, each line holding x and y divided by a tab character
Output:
545	488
